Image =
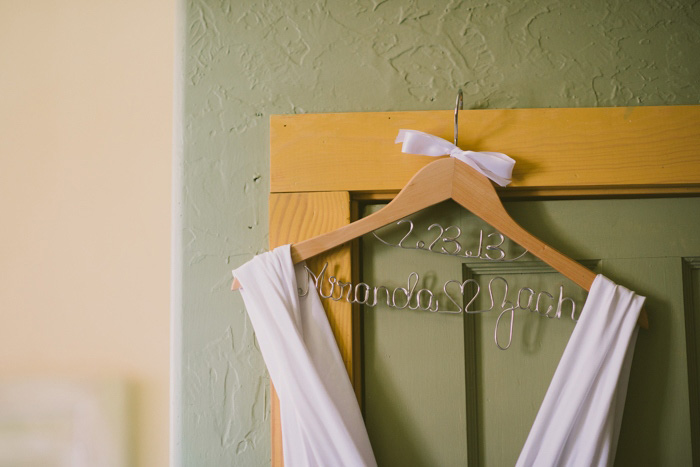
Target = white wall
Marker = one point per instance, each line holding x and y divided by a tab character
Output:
85	168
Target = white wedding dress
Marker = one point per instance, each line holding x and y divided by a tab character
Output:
577	425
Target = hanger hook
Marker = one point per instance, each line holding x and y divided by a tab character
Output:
459	105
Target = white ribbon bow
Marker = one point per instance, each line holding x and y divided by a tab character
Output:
496	166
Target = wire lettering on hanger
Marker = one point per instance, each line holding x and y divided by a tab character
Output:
447	239
364	294
414	298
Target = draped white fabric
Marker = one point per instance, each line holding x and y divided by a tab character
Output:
577	425
579	420
321	420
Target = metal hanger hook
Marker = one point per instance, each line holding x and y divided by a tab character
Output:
459	105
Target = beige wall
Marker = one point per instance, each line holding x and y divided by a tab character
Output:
85	168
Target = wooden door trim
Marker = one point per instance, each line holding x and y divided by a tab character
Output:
321	164
586	148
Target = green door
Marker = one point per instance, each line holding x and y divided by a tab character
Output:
438	391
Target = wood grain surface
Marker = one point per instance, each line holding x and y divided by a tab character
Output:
592	148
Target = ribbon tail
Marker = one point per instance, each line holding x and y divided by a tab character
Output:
498	169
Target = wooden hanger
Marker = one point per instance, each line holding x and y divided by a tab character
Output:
444	179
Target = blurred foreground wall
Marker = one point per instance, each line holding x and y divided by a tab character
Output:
85	170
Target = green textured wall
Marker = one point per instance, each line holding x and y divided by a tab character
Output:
243	61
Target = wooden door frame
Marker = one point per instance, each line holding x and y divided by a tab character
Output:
321	165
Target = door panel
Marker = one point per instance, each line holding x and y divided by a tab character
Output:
656	421
437	389
511	384
410	349
691	295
